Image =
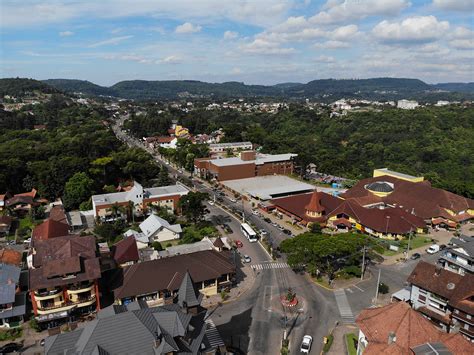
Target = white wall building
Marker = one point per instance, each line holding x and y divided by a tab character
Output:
407	104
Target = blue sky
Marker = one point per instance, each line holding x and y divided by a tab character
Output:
254	41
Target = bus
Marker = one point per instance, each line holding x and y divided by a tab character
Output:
248	232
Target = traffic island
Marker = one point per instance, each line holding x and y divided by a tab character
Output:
289	299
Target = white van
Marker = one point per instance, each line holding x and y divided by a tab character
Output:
433	249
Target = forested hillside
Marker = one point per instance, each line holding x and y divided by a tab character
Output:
75	141
437	142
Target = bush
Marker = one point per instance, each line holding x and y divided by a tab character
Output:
383	288
10	334
34	325
351	341
157	246
353	270
327	346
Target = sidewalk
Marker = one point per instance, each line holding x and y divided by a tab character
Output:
339	346
246	279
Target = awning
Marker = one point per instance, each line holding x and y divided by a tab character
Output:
402	295
342	222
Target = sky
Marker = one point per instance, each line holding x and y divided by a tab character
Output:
251	41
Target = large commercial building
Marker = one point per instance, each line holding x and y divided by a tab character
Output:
221	149
247	165
141	198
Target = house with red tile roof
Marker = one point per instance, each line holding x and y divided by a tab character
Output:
397	329
444	297
125	252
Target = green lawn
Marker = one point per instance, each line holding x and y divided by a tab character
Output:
351	341
416	242
26	222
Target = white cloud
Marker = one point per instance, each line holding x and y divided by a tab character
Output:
344	33
187	27
325	59
462	44
462	33
236	70
172	59
265	47
110	41
340	11
332	45
230	35
413	29
66	33
128	57
454	5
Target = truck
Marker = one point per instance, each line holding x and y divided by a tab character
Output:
433	249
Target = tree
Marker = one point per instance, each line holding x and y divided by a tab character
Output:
163	177
192	207
383	288
157	246
77	190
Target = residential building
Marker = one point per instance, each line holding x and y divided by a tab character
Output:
125	252
157	229
248	164
3	200
162	141
117	205
396	174
157	280
180	327
398	329
221	149
22	203
11	257
459	256
444	297
206	243
64	274
407	104
12	300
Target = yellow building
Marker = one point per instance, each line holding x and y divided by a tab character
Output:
181	131
395	174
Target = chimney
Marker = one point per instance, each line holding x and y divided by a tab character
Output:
392	338
438	270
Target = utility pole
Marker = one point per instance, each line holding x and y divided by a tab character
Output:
378	284
409	241
363	264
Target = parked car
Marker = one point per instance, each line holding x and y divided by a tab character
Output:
10	348
27	241
433	249
306	344
263	232
287	231
247	259
232	200
442	247
275	224
415	256
239	244
210	202
268	220
281	228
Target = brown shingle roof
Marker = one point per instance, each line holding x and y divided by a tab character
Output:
388	220
64	255
10	256
296	204
162	274
457	289
125	250
410	328
50	229
426	201
314	204
58	214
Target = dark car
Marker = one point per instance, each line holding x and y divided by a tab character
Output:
442	246
268	220
227	228
287	231
10	348
415	256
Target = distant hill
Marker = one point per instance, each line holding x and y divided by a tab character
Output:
84	86
458	87
20	87
325	90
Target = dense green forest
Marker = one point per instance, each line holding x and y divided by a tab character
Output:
21	87
437	142
323	90
76	139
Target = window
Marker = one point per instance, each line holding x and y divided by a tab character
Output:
422	299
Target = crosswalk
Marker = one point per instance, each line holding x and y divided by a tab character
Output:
212	334
344	307
267	266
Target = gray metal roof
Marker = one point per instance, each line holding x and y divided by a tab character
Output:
187	294
18	309
9	272
431	349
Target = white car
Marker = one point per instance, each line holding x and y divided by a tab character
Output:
255	212
232	200
210	202
433	249
306	344
247	259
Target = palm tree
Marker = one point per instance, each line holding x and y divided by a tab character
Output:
131	210
116	209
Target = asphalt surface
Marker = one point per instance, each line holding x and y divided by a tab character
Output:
255	322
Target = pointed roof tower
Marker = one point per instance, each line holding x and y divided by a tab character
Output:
314	206
188	296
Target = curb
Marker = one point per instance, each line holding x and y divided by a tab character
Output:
332	289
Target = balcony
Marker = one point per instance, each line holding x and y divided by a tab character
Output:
66	306
462	318
82	287
46	295
467	332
